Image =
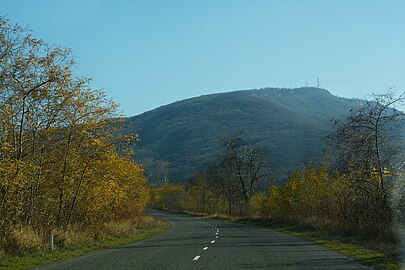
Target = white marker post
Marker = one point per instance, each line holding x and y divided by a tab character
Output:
51	242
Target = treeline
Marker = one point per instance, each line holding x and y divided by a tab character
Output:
358	189
59	168
227	186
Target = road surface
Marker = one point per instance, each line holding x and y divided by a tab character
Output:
199	243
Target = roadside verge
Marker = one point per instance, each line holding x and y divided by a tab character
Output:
41	257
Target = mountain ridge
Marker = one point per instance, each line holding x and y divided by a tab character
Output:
290	123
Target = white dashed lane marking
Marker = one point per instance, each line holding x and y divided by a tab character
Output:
212	242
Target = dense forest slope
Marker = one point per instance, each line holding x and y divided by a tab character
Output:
182	137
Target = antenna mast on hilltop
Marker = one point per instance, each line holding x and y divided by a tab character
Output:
318	83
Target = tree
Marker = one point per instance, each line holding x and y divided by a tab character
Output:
59	165
222	176
240	170
247	163
368	142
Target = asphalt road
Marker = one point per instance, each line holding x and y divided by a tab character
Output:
198	243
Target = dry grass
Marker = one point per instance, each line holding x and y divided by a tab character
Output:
2	253
44	256
70	236
24	239
21	238
119	228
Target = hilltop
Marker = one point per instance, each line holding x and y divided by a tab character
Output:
290	124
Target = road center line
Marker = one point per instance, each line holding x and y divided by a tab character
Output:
205	248
196	258
213	241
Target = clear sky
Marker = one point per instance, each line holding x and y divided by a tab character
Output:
150	53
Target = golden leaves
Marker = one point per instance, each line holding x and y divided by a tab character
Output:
58	164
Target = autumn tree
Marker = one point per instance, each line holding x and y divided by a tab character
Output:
367	144
59	164
223	178
198	195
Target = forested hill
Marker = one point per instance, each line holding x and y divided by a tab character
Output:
182	137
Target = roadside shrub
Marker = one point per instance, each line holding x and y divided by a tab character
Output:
119	228
22	238
70	237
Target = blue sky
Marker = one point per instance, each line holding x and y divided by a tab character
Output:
150	53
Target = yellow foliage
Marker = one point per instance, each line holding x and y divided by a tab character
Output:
58	162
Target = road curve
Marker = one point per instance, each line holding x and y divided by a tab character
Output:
199	243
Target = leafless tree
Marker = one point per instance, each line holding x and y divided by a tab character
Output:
367	144
240	170
247	163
